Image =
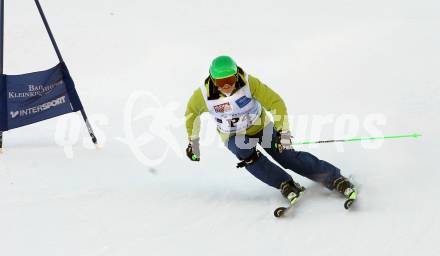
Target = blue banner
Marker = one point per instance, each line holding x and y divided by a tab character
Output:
33	97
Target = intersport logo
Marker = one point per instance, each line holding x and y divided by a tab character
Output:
15	114
39	108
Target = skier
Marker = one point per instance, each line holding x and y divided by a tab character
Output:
238	102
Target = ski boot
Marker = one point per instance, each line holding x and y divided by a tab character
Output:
346	188
292	191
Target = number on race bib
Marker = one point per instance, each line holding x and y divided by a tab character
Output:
233	121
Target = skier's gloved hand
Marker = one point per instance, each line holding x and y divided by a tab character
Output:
284	141
193	150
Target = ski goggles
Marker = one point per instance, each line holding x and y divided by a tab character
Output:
222	82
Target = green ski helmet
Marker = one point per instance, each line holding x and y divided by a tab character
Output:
222	66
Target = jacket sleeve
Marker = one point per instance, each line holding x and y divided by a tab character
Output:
195	107
271	101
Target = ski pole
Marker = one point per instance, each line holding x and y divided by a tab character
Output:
2	25
414	135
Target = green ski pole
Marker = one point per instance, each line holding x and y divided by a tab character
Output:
414	135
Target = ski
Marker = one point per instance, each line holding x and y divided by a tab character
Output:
351	199
281	211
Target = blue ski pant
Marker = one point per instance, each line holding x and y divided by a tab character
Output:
303	163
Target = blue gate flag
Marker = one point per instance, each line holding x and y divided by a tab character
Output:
34	97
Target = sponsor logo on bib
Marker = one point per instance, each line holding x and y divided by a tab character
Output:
225	107
243	101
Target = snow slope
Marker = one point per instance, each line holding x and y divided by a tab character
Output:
340	60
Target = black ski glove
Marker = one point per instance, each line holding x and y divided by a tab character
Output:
193	150
284	141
